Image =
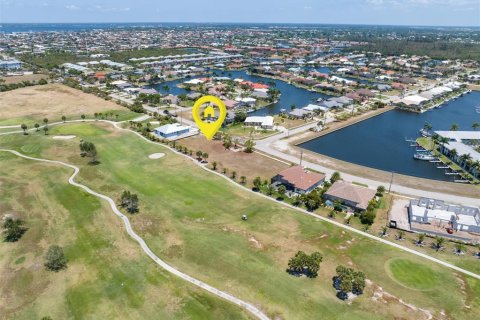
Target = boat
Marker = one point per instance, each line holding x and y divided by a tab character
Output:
425	133
251	110
423	156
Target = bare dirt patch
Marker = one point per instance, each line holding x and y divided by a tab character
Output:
50	101
381	296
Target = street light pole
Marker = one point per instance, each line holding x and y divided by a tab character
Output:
391	180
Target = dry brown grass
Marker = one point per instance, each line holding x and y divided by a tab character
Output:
50	101
28	77
249	165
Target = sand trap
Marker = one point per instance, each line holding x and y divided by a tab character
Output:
63	137
156	155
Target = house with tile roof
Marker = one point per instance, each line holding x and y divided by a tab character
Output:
297	179
356	197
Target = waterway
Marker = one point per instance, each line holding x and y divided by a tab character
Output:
290	96
379	142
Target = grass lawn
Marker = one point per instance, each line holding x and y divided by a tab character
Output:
193	219
107	275
424	278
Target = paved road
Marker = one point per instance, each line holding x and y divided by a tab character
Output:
267	146
222	294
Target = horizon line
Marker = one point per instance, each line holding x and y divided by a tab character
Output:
264	23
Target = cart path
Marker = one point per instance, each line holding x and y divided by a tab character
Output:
338	224
222	294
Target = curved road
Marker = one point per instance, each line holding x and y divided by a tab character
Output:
222	294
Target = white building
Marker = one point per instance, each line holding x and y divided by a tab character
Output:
265	122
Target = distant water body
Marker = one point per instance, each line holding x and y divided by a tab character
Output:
78	27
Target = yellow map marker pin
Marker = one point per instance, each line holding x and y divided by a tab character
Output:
209	129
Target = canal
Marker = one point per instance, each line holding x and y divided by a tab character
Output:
379	142
291	95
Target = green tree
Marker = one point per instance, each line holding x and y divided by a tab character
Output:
24	128
199	155
368	217
303	263
45	129
64	118
475	126
37	126
14	229
270	190
55	259
454	127
335	177
249	146
88	149
439	241
243	179
205	156
129	201
214	165
45	121
234	174
83	117
380	190
257	182
281	191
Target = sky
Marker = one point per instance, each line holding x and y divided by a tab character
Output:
387	12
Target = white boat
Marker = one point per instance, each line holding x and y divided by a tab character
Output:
425	133
423	156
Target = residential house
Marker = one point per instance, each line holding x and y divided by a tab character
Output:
353	196
298	180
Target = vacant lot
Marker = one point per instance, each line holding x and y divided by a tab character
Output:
28	77
50	101
249	165
192	218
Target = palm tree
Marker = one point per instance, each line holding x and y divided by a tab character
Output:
427	126
464	158
420	239
459	248
214	165
270	190
475	126
439	242
199	154
401	235
24	128
234	174
454	127
453	153
243	179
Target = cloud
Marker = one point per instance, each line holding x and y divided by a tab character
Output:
99	7
72	7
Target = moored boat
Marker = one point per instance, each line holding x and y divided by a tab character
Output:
423	156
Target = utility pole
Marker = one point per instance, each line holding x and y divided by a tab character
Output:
391	180
301	157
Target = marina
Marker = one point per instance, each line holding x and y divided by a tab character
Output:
385	142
